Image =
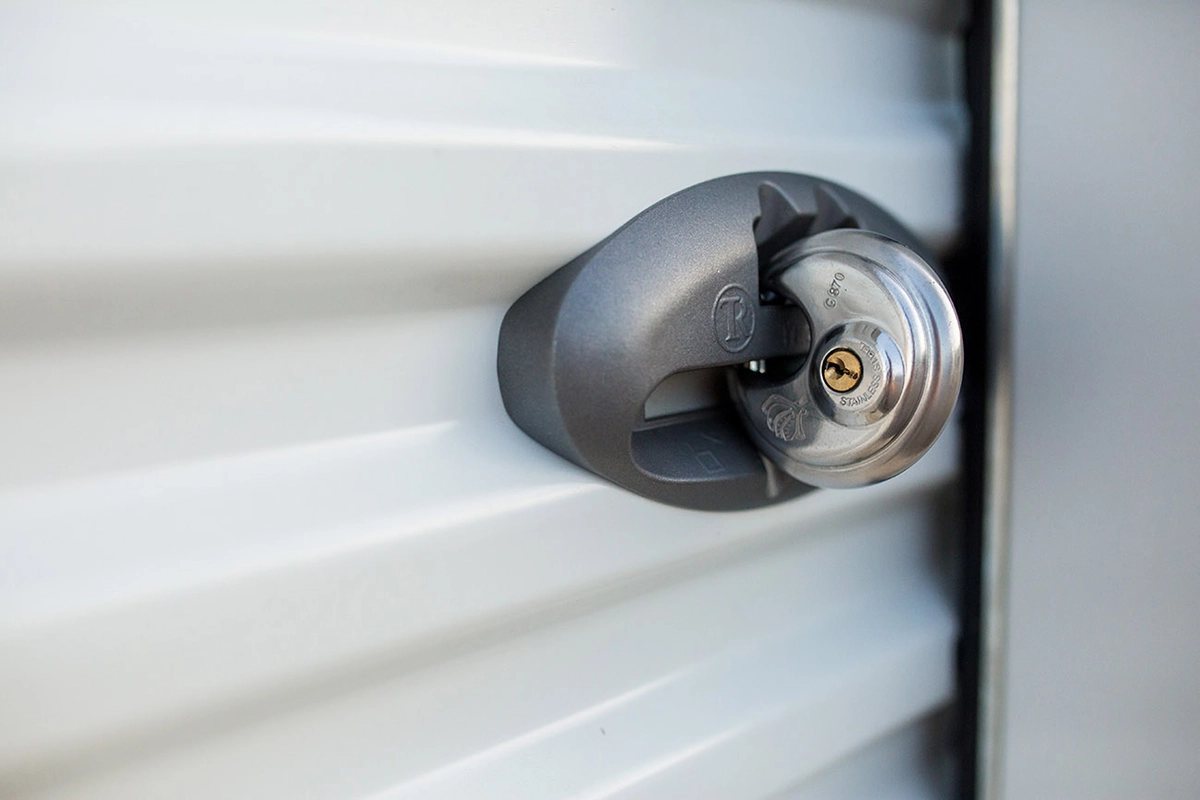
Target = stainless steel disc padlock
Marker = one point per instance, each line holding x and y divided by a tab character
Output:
883	372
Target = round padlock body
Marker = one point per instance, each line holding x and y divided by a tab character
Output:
882	375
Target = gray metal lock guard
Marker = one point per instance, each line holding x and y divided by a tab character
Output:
797	286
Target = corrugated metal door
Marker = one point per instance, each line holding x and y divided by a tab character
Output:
266	530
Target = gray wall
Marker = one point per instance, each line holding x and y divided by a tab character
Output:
1104	667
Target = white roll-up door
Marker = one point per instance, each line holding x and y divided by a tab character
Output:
265	528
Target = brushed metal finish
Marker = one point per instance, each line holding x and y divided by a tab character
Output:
875	298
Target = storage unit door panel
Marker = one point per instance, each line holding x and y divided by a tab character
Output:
265	528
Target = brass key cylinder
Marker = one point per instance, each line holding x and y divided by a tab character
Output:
842	370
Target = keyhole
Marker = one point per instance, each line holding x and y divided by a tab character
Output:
842	370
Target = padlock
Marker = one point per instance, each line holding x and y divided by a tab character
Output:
882	375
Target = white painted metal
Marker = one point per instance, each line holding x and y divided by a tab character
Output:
265	529
1103	695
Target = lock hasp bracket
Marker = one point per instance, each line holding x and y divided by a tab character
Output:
678	288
